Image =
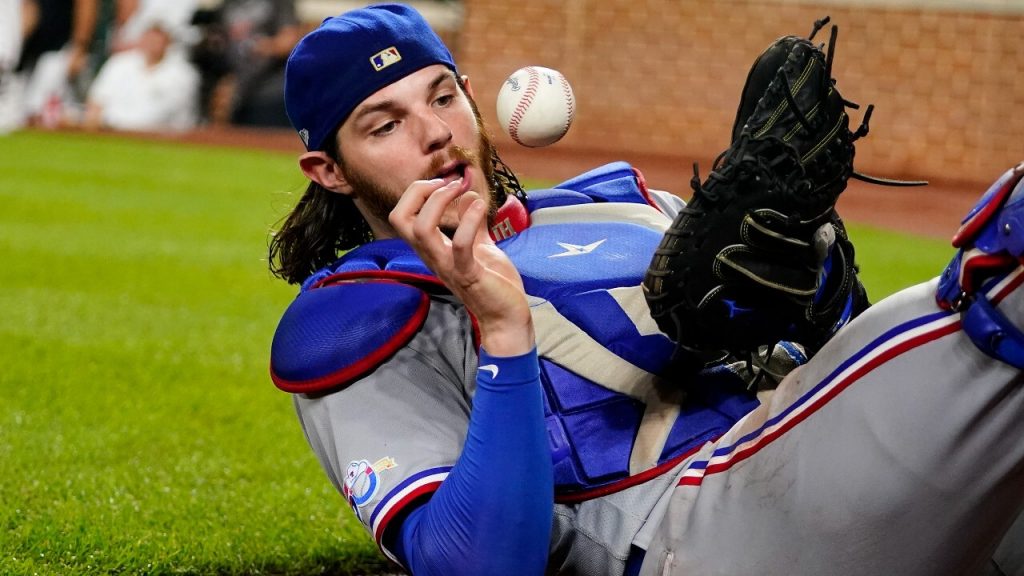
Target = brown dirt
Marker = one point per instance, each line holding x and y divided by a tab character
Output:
934	210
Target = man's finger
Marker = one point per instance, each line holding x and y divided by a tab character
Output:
408	206
467	199
465	239
428	220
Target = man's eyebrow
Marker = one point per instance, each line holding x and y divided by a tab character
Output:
441	78
378	107
390	104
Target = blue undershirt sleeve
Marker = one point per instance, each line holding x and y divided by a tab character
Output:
492	514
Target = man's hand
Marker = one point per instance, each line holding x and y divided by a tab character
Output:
468	263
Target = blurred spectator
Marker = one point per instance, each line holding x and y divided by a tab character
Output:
17	18
241	56
132	17
55	57
152	87
62	25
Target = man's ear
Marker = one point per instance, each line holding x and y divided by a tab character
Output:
322	169
469	87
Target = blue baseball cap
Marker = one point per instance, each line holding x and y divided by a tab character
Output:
348	58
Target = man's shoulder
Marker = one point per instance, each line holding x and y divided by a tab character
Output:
336	333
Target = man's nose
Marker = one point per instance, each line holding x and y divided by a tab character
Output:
436	132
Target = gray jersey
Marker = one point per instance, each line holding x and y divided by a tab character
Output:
393	436
408	419
898	438
895	450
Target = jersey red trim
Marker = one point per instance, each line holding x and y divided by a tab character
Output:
631	481
945	326
408	492
767	439
398	506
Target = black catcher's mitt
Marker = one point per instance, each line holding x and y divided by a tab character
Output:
759	254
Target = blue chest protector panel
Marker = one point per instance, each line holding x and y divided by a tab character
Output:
573	267
332	336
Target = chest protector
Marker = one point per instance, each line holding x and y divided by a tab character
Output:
613	419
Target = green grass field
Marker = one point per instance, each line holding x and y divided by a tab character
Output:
139	430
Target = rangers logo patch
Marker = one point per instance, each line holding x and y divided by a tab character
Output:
385	58
362	481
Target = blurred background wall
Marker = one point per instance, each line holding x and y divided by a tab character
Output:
660	77
657	81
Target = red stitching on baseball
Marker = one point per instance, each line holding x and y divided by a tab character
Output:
567	90
524	103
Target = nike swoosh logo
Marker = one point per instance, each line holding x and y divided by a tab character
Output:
490	368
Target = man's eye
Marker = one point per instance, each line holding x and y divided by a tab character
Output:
385	129
445	100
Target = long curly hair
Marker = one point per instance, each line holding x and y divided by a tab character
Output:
324	224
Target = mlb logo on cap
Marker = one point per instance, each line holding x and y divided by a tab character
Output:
326	76
385	58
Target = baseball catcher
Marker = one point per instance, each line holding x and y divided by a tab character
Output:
478	371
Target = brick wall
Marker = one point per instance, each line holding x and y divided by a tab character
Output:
661	77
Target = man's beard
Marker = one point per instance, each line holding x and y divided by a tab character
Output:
380	201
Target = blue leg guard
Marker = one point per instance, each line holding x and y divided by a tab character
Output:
991	243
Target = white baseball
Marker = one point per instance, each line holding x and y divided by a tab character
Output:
536	106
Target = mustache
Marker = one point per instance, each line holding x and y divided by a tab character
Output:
458	154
